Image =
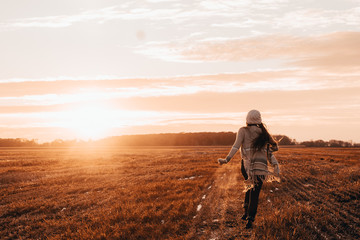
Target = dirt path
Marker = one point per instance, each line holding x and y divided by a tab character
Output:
220	210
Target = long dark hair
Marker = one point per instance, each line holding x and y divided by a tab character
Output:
264	137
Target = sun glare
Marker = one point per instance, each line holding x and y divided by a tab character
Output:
90	121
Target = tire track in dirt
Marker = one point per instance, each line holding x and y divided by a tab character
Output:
221	208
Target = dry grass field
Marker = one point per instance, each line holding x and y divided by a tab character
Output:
174	193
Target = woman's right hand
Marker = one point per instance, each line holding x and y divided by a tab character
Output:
222	161
277	170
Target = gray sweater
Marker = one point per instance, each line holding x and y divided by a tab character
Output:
244	138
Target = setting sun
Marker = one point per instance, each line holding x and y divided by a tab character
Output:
90	121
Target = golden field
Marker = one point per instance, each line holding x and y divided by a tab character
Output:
174	193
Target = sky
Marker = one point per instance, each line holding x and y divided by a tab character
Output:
88	69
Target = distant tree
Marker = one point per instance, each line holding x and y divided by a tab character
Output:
320	143
18	142
335	143
331	143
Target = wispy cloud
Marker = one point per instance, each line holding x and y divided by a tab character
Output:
122	12
145	92
59	78
157	93
336	50
60	21
218	13
64	91
116	118
307	19
261	17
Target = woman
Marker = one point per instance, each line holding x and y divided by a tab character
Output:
256	146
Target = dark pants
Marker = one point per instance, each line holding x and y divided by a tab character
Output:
251	196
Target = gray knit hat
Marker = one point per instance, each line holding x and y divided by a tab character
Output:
253	117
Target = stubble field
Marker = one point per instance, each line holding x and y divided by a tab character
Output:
174	193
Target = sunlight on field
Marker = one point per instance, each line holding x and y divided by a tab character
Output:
173	193
114	193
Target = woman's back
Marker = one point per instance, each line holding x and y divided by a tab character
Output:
250	134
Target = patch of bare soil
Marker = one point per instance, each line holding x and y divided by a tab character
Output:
220	210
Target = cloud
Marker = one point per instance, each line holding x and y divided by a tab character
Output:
290	79
59	78
60	21
307	102
336	50
93	95
53	91
99	16
215	17
307	19
122	12
201	93
333	52
149	10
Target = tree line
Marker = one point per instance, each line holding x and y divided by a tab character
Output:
169	139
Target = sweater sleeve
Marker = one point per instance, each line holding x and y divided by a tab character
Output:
273	147
273	160
237	144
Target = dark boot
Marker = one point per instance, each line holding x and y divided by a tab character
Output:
249	224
